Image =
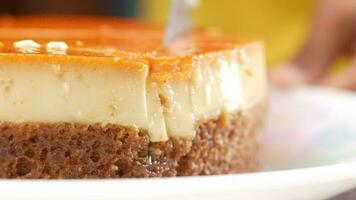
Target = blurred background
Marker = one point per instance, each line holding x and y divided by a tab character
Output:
282	24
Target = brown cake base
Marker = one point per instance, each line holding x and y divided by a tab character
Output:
228	144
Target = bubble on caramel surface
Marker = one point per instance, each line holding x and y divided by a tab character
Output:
57	47
27	46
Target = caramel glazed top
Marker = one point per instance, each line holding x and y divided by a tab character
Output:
109	37
225	72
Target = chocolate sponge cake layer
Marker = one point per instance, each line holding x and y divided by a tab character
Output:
227	144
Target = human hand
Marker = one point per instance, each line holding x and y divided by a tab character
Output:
333	34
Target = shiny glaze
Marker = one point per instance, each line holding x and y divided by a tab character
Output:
98	36
121	39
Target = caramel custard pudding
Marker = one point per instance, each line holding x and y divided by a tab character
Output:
86	97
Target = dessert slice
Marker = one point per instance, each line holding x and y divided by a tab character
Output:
83	97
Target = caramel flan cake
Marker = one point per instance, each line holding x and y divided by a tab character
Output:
87	97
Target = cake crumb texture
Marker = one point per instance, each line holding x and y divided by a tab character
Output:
71	150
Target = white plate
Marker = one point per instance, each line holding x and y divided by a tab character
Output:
308	153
